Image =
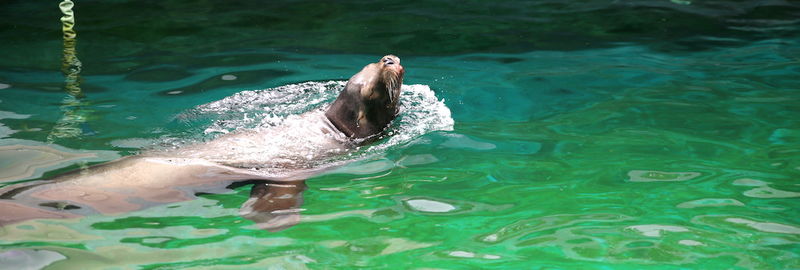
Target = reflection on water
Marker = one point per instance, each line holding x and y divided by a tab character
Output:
274	206
763	190
73	123
291	147
23	159
29	258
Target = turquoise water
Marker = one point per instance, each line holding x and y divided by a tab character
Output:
592	135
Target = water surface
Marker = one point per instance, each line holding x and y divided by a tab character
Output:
601	134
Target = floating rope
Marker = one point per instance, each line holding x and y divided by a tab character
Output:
68	20
74	115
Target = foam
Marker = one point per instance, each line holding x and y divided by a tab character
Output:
278	116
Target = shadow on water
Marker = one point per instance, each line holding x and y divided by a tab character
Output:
74	106
273	206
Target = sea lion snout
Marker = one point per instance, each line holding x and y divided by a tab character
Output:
390	60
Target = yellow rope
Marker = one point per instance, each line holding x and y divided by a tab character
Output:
74	115
70	64
68	20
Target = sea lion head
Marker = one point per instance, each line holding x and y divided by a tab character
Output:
392	75
369	101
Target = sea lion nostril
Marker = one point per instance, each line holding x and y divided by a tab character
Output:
388	61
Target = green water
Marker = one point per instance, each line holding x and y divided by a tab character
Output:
591	135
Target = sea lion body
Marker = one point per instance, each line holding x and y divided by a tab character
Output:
123	185
282	151
287	152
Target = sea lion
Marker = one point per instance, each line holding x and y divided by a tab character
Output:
269	157
369	100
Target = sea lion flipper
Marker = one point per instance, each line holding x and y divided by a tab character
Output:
274	206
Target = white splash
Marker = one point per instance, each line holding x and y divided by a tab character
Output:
282	124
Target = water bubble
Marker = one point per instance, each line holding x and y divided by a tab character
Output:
490	238
467	254
687	242
659	176
655	230
424	205
749	182
710	202
766	226
768	192
462	254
